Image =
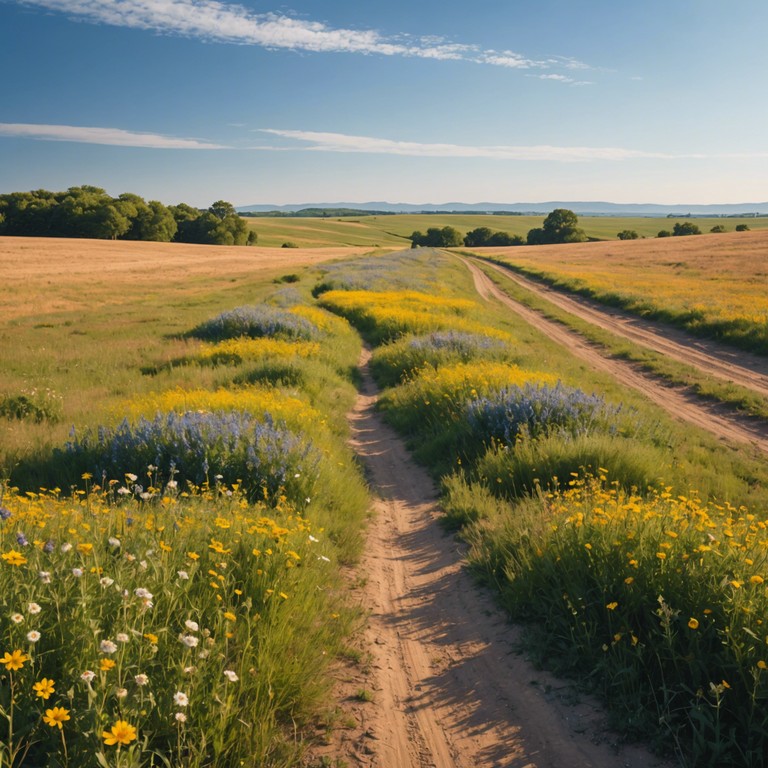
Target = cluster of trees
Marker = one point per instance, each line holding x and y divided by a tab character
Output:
681	230
90	212
482	236
559	227
450	237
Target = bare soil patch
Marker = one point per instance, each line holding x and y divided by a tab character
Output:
444	686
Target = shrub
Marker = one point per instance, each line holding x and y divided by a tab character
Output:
194	448
535	410
34	405
628	234
553	461
393	361
742	227
253	322
685	228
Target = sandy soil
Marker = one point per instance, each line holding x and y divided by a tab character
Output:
444	685
719	420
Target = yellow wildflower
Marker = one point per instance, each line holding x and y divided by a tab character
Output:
14	660
120	733
56	716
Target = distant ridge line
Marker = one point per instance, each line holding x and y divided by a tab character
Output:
597	208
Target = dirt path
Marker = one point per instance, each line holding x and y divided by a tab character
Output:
447	689
715	359
719	420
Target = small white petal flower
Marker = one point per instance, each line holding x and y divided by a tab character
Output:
107	646
33	636
17	618
189	640
105	581
113	542
193	626
231	675
88	676
65	547
180	717
172	484
33	608
183	575
141	679
123	491
144	594
133	478
121	637
313	539
190	670
143	565
77	572
121	693
180	699
44	576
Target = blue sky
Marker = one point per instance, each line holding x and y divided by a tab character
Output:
405	101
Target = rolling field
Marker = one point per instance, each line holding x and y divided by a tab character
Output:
393	231
711	285
177	480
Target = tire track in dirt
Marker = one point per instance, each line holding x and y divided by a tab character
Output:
448	688
715	359
717	419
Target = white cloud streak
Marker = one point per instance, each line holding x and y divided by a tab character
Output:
231	23
339	142
114	137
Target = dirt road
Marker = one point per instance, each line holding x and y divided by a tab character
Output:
715	359
444	687
719	420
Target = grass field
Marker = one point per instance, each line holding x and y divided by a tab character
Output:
393	231
194	547
712	285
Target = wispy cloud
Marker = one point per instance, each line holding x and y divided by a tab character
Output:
115	137
340	142
231	23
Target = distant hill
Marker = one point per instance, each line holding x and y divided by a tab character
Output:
581	208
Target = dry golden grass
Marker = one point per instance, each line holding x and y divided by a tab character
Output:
716	280
41	276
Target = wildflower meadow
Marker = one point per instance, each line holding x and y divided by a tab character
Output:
171	596
650	594
173	525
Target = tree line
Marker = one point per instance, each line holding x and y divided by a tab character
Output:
560	226
90	212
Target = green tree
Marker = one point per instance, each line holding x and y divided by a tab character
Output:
685	228
221	209
628	234
110	222
477	238
560	226
155	222
742	227
505	239
664	233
